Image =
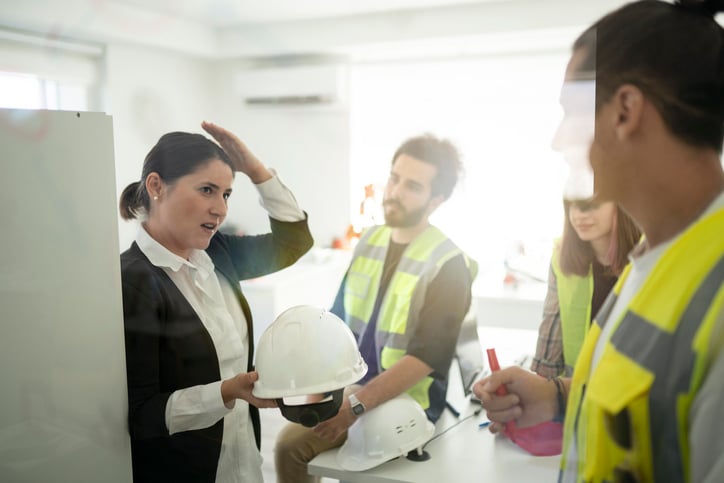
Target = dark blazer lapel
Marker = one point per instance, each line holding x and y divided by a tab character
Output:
223	265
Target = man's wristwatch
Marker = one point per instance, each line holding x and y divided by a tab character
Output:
357	407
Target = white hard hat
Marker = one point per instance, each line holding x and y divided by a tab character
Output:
392	429
306	351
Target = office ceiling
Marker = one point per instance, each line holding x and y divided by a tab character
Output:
228	13
255	29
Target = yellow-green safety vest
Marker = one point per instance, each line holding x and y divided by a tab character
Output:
628	419
405	294
574	305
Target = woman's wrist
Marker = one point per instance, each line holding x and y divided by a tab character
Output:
260	175
228	395
561	399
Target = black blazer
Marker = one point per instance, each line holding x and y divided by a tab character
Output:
168	348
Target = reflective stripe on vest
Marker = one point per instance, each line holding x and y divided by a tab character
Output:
574	304
405	294
630	417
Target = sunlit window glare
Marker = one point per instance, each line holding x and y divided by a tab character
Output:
502	113
25	91
20	91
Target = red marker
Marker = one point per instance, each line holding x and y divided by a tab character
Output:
501	391
494	366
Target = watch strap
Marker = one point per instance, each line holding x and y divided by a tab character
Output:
356	405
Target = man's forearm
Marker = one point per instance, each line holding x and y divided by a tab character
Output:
404	374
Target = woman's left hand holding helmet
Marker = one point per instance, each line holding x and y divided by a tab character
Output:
240	387
241	157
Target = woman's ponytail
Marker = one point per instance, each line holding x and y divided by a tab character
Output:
133	200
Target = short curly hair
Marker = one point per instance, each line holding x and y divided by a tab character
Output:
440	153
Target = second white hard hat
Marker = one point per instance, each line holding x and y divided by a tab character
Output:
392	429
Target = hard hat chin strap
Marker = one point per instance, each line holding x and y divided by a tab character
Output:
310	415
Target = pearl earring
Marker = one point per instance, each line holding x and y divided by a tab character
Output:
155	198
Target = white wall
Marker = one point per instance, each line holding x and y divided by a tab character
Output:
310	151
308	146
166	73
152	91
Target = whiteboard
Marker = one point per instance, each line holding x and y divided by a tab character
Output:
63	409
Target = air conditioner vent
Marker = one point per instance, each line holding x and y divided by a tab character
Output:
290	100
323	85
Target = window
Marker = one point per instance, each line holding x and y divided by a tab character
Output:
42	73
26	91
501	112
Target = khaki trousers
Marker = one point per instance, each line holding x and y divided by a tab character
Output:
297	445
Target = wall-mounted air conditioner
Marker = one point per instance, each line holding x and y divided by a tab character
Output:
315	85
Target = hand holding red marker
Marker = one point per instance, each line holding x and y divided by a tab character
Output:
501	391
543	439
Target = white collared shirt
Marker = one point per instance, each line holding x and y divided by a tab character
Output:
214	301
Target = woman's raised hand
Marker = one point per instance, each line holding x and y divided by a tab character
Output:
242	159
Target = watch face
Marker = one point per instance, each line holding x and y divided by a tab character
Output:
358	409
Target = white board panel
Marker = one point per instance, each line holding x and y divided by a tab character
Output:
63	409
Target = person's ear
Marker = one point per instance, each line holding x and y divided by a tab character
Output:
154	185
628	104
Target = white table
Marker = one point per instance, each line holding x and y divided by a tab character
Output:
464	453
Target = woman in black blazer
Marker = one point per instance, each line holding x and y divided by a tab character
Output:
188	327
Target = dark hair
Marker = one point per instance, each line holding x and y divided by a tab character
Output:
576	255
175	155
440	153
674	53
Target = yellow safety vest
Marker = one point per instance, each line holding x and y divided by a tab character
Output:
403	300
574	304
628	419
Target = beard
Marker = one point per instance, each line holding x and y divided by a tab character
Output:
401	218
